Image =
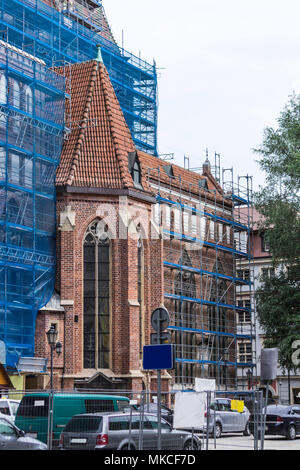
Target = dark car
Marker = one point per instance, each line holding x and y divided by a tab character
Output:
166	413
106	431
281	420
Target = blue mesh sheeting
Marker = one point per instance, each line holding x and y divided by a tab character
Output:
71	36
31	134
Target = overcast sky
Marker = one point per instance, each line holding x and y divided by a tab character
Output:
226	70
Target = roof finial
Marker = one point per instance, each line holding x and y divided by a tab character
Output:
206	165
99	55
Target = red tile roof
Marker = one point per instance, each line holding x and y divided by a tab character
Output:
95	155
185	180
96	151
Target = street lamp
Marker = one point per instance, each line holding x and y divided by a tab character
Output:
52	337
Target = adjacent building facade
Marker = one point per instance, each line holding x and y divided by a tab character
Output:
286	388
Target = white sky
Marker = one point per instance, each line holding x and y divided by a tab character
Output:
227	68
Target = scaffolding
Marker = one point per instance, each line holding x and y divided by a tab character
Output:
206	235
69	31
32	117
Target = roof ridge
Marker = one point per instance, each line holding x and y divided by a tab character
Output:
80	139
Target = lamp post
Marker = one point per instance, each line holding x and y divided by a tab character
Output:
52	337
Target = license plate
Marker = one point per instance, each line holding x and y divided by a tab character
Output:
78	441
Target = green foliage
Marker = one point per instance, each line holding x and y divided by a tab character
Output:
278	310
279	201
278	298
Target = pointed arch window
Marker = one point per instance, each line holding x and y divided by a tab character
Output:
15	94
28	100
96	305
3	89
3	97
141	294
135	169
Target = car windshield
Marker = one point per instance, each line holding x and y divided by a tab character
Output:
84	424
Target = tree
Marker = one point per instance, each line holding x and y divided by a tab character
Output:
277	304
279	200
278	298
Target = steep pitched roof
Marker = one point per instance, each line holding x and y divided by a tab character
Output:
96	152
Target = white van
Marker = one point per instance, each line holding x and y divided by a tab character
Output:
8	408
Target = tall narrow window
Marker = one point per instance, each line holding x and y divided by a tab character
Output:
16	94
3	89
96	308
3	98
28	100
141	296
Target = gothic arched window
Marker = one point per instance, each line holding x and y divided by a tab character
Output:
141	295
3	89
28	100
96	305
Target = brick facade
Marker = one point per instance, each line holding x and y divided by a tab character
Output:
95	182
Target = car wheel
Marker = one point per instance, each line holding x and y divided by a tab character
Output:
191	445
218	430
126	447
291	433
247	430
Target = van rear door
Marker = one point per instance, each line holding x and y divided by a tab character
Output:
32	416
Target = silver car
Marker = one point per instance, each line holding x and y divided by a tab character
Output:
226	419
12	438
123	431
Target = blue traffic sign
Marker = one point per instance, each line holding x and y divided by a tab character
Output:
158	357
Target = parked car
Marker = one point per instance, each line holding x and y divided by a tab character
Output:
33	411
166	413
13	438
8	408
281	420
101	431
226	419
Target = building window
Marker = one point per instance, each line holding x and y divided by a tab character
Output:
96	307
15	94
212	229
268	273
3	89
245	352
141	296
177	220
28	100
136	173
244	316
220	226
228	238
265	246
243	274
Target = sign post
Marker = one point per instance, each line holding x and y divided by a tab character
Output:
159	355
